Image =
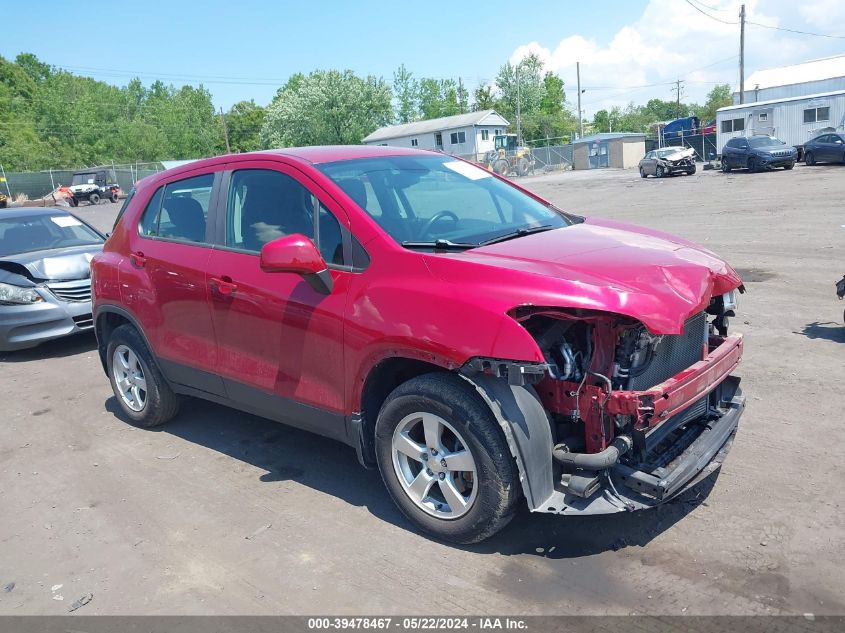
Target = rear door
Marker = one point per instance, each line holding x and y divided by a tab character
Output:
648	164
280	339
165	282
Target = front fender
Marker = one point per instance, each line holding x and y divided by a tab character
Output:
527	428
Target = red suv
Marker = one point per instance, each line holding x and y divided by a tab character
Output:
472	341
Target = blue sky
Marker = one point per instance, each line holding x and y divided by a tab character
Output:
240	50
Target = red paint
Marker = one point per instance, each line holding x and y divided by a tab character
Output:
292	254
218	311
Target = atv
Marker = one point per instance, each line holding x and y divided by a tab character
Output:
93	185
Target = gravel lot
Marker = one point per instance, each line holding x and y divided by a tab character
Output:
220	512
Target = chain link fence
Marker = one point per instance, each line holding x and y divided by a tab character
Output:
34	185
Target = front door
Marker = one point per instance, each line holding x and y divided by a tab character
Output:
280	338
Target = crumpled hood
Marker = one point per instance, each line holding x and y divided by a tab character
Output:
650	276
680	154
53	265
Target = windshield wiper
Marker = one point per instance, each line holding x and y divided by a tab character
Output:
441	245
518	233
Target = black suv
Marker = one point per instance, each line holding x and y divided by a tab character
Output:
757	153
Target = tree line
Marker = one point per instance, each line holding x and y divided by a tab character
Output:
51	118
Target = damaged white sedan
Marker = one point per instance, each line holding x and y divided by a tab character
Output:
668	161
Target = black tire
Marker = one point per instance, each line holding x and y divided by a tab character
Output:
73	201
726	168
789	166
161	403
752	164
94	198
642	173
691	170
501	167
497	479
809	159
659	171
113	197
522	167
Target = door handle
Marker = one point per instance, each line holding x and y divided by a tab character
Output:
137	259
224	285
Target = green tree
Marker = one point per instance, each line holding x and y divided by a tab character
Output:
406	89
719	97
326	107
522	82
438	98
244	121
483	99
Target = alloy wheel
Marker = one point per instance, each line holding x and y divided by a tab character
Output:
129	378
434	465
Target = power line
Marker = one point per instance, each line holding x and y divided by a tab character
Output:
764	26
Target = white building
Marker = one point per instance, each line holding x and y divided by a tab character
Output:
468	134
811	77
794	120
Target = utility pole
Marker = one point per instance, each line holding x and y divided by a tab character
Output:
225	131
518	109
461	94
742	54
580	120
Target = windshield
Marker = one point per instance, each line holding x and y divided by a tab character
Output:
667	151
764	141
429	198
83	179
44	232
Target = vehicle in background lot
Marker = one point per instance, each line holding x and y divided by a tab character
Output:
827	148
668	161
709	128
93	185
757	153
509	157
45	281
793	119
475	343
679	128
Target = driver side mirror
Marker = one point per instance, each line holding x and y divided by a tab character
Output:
297	254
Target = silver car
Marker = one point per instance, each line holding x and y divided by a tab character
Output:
45	275
668	161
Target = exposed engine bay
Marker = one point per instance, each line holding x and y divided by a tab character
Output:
628	406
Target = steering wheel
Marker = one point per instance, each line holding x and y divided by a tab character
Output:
436	218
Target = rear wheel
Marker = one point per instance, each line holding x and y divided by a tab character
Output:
94	198
141	391
809	159
444	459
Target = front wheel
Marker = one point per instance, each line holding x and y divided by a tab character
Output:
642	173
726	167
94	198
444	459
73	201
659	172
752	164
691	171
789	166
141	391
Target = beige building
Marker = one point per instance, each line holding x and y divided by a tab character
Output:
622	150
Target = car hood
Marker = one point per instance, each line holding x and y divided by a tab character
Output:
679	155
52	265
774	148
650	276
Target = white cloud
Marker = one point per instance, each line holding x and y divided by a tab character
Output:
672	40
824	14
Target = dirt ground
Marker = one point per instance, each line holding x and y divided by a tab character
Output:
220	512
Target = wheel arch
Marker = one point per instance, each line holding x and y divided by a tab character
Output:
107	320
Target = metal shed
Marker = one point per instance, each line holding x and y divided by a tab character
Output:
622	150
